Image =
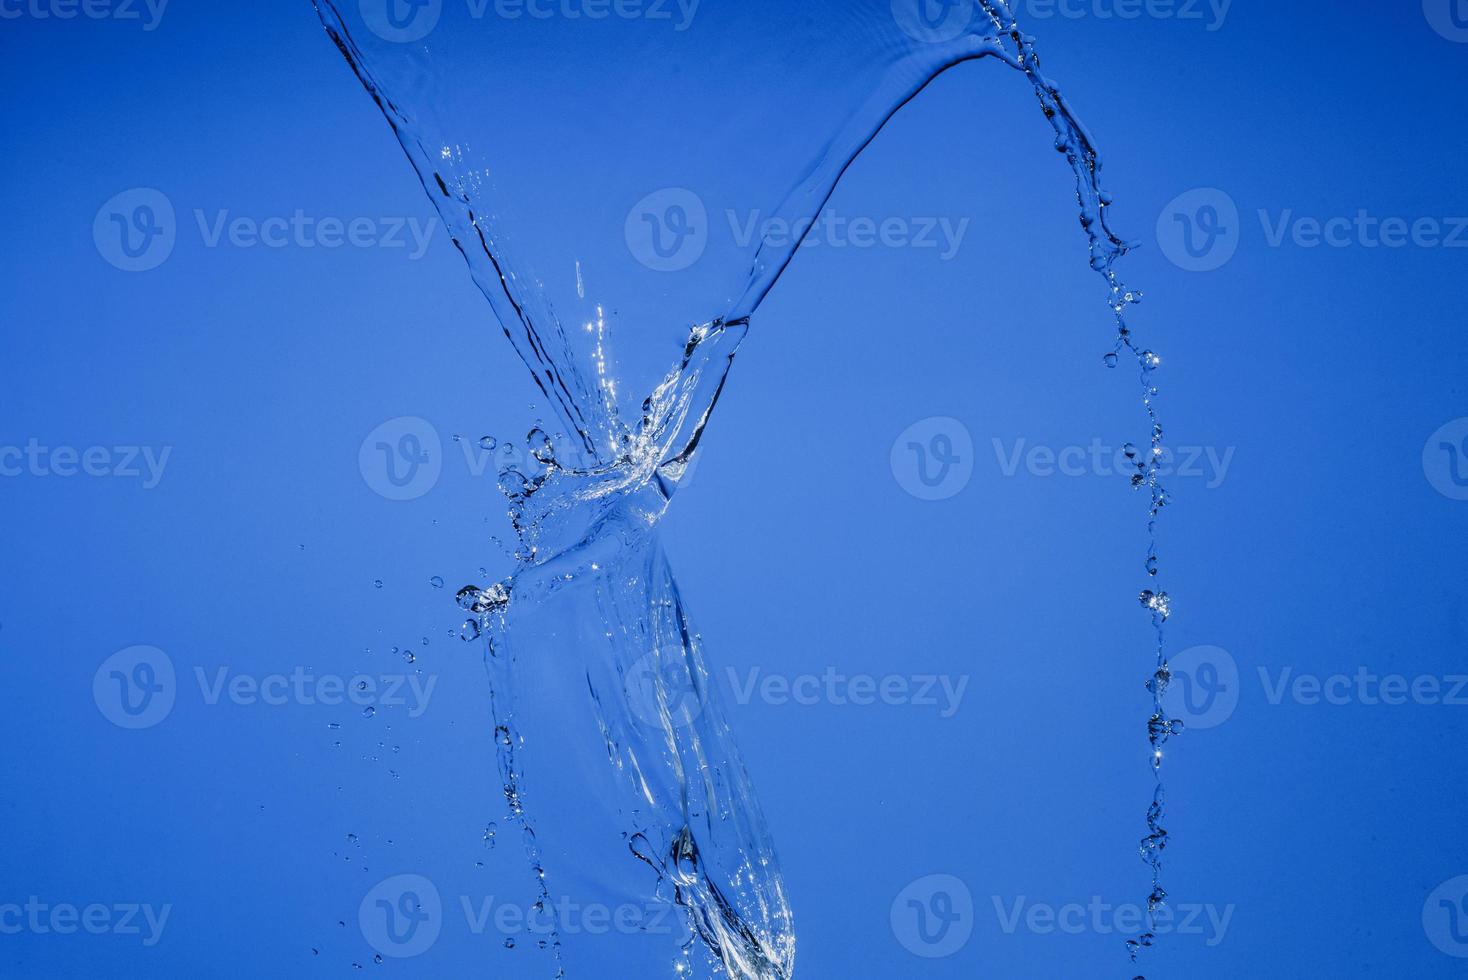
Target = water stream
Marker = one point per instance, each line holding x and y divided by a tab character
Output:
615	757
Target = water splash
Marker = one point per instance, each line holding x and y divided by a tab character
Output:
599	682
1107	249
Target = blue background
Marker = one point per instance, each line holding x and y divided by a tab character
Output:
1326	548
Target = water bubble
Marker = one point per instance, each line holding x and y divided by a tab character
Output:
469	631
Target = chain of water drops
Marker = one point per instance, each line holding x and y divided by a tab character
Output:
1106	248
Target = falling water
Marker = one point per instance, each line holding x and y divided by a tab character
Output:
599	681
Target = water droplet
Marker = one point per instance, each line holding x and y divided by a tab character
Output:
489	443
368	711
378	583
436	581
480	601
1110	359
469	631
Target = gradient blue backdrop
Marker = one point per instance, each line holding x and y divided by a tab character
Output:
1321	829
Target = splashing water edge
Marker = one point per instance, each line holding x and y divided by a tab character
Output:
594	615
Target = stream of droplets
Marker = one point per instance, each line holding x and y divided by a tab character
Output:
1106	250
